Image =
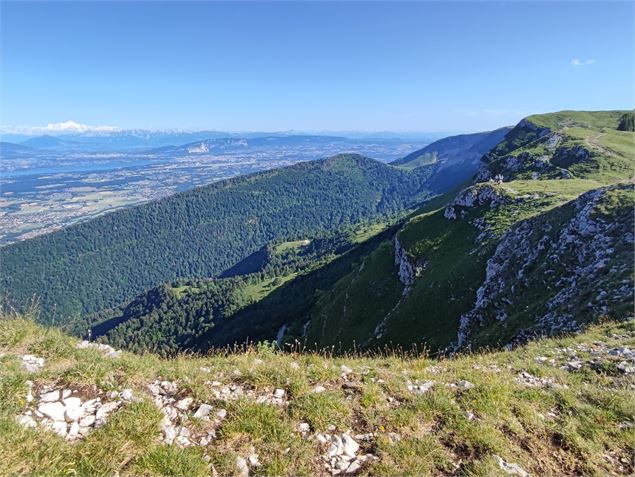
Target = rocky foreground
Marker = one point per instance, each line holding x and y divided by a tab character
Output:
554	407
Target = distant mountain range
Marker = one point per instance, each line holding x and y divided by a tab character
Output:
139	139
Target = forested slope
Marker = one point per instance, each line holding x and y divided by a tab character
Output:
198	233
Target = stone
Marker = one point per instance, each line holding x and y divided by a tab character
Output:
319	389
184	404
32	363
73	414
126	395
73	430
511	469
253	460
463	384
26	421
345	369
304	427
242	467
60	428
87	421
350	447
221	414
54	410
72	402
354	467
104	410
278	393
51	396
66	393
203	411
91	405
336	447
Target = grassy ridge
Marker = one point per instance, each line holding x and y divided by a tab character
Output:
454	253
576	424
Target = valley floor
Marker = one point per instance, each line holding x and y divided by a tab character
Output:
554	407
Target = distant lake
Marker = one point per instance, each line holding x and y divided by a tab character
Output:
83	167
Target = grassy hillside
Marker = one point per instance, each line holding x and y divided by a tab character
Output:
450	248
556	407
199	233
455	159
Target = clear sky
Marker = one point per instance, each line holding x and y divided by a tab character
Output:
416	66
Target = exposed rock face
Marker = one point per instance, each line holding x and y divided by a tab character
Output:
530	126
474	196
409	270
561	258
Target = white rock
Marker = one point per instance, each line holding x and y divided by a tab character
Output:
253	460
336	447
73	414
50	396
345	369
32	363
184	404
319	389
87	421
72	402
169	432
463	384
304	427
279	393
54	410
73	430
354	467
26	421
242	467
203	411
60	428
221	414
511	469
126	394
350	447
105	409
425	387
91	405
66	393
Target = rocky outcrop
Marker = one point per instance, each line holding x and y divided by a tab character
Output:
568	259
408	269
474	196
105	349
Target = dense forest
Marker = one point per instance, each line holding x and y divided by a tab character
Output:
186	314
199	233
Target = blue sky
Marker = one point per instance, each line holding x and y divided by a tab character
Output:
416	66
